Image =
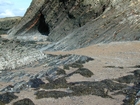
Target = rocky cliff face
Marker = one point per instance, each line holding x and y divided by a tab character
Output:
7	23
78	23
57	18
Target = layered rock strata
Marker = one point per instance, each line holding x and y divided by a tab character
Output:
57	18
7	23
79	23
14	55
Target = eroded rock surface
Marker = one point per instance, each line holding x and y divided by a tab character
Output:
67	25
13	54
48	78
79	23
57	18
7	23
23	79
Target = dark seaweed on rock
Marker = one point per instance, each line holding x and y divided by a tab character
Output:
7	98
80	88
51	94
61	72
35	83
75	65
84	72
136	66
25	101
127	79
136	72
59	83
113	67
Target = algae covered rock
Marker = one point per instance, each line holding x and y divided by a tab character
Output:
84	72
7	98
25	101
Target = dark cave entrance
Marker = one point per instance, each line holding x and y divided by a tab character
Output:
43	27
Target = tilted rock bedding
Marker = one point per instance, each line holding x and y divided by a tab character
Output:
7	23
73	24
14	55
68	25
49	77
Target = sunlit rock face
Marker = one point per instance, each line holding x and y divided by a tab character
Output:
78	23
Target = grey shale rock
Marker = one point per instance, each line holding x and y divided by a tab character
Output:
9	76
34	80
72	24
65	17
14	55
7	23
16	88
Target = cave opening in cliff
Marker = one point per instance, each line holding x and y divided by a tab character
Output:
43	27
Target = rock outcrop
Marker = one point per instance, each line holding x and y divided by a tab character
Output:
57	18
14	54
7	23
78	23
